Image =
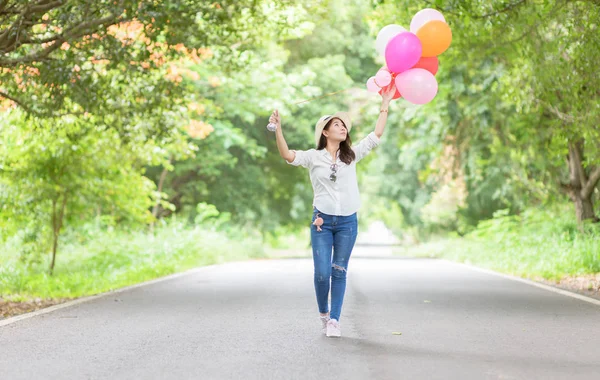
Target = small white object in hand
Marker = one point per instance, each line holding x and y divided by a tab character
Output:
272	127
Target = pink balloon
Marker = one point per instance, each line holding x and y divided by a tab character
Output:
417	86
403	52
383	77
423	16
372	86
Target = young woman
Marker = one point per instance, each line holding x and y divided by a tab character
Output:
332	167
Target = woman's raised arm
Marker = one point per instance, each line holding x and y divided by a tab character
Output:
284	151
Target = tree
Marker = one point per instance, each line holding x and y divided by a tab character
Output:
540	59
53	174
50	50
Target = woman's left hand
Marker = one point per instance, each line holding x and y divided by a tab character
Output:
388	93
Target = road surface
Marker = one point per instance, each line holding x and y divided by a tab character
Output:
402	319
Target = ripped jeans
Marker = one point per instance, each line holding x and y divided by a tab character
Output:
338	233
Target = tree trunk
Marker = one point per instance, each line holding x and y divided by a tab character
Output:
584	209
581	188
156	207
57	222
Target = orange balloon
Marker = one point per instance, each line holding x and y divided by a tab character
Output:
435	36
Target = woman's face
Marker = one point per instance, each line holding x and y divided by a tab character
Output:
337	131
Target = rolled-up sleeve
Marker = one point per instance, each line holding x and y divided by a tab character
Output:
303	158
366	145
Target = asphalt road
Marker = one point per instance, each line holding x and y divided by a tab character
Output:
402	319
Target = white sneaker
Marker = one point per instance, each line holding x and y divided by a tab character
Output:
324	320
333	328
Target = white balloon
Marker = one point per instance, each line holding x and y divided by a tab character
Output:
423	16
385	35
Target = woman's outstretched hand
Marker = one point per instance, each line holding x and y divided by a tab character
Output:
387	93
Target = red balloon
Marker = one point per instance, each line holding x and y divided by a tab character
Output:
396	95
430	64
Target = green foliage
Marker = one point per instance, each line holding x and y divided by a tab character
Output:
49	50
46	162
346	34
539	243
208	215
65	173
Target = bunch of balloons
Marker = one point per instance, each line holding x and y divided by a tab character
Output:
412	56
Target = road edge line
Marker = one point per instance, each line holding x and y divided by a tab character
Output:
81	300
529	282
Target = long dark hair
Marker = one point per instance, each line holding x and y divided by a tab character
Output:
346	153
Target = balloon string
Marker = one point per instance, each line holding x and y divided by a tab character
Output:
322	96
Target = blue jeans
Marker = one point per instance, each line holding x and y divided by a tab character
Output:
338	233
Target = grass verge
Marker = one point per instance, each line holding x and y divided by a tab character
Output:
112	260
538	244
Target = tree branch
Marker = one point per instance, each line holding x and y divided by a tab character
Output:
578	178
74	32
9	12
503	10
22	13
591	183
3	5
491	14
40	40
45	6
20	103
556	112
38	56
37	113
10	37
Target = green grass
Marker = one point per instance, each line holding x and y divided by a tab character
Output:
107	261
543	243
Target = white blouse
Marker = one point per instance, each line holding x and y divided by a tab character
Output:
339	197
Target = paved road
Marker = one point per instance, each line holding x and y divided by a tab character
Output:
257	320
